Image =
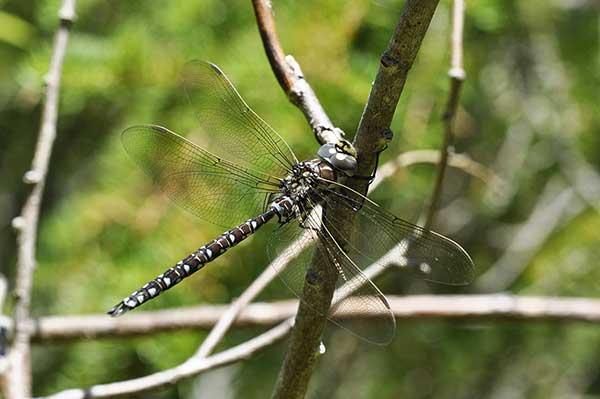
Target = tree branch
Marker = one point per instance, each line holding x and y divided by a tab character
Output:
373	130
291	79
371	138
18	373
555	204
457	76
493	306
192	367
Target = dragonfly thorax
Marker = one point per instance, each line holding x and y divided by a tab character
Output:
304	178
299	182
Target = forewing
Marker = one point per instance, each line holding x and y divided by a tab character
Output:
205	185
355	293
237	133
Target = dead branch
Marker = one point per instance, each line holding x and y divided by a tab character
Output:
192	367
493	306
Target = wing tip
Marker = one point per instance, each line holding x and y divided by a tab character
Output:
202	63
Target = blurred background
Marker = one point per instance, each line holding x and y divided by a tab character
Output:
529	112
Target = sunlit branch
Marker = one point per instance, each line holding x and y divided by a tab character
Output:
5	325
493	307
192	367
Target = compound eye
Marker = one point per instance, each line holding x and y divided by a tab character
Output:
327	151
343	162
334	156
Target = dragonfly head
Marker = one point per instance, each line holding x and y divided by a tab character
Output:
341	156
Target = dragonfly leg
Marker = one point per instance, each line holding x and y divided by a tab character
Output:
372	177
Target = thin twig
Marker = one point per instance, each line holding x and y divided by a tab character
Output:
291	79
510	307
372	136
259	284
192	367
202	317
200	361
496	306
554	204
457	76
18	376
233	311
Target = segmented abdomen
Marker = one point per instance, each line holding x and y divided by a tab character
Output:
195	261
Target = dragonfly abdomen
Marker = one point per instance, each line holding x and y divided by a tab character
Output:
205	254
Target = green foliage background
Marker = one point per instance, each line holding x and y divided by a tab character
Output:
532	82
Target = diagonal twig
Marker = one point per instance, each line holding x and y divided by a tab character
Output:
18	373
555	204
271	271
192	367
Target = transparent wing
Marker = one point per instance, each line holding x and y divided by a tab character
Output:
303	241
379	238
237	133
205	185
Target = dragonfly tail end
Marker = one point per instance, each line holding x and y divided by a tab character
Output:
118	309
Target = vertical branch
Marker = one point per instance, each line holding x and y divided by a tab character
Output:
373	131
18	377
309	324
371	138
457	76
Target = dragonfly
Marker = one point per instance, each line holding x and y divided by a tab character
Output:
250	175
